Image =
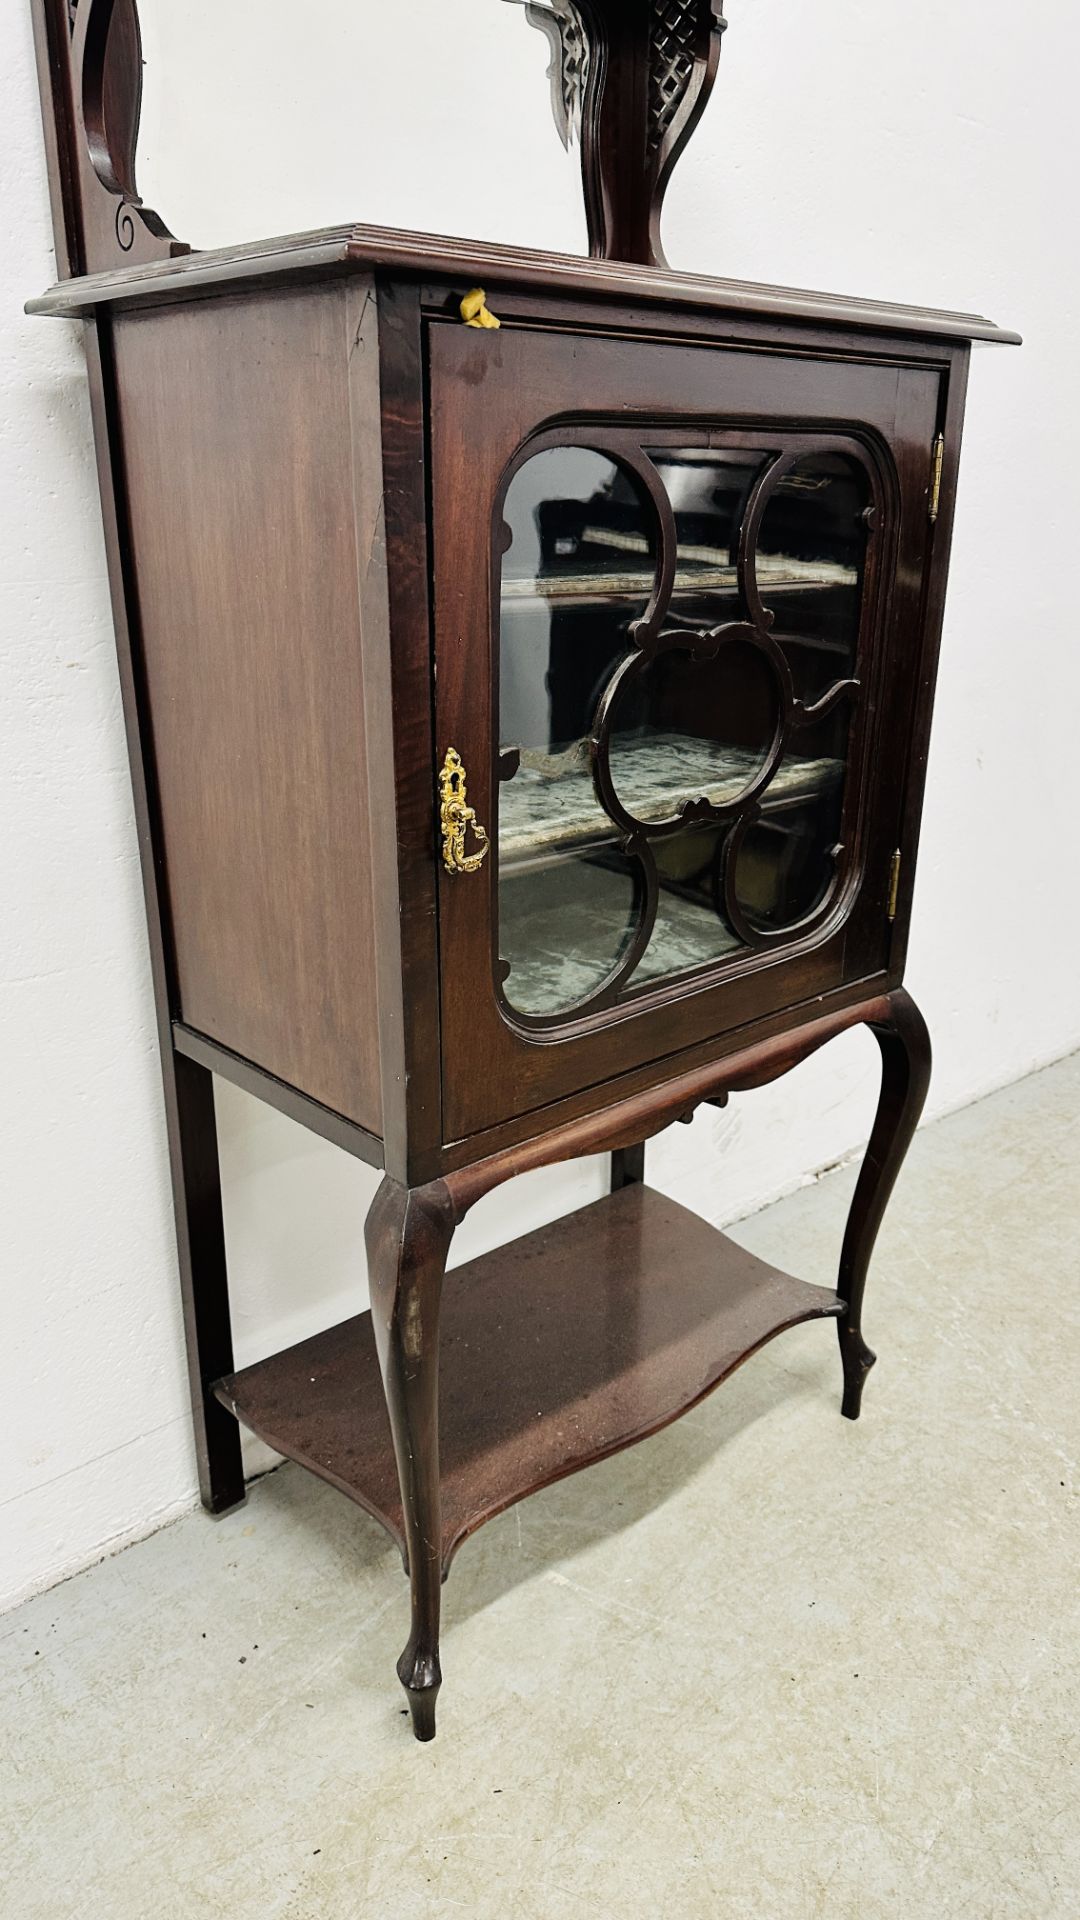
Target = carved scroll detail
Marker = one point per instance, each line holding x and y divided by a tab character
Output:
561	24
91	67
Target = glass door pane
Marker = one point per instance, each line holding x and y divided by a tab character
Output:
679	632
811	552
578	570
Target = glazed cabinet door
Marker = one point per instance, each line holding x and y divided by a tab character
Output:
669	583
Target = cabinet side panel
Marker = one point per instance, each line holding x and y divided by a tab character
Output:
234	419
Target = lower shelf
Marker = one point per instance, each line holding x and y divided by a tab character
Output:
557	1349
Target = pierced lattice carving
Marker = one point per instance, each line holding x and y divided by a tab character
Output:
634	76
561	24
674	33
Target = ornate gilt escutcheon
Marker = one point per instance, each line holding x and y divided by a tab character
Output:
457	818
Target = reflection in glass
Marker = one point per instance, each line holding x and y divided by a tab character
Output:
811	553
785	867
565	922
690	726
579	569
811	557
688	932
709	490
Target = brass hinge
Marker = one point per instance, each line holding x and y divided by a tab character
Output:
894	884
936	464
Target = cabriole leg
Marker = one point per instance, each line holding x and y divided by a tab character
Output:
905	1076
408	1237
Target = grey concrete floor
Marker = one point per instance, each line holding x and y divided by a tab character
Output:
768	1663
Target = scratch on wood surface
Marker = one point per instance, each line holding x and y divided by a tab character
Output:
412	1328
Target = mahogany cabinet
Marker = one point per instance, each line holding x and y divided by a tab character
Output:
529	724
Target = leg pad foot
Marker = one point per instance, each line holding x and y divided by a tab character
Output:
421	1677
858	1360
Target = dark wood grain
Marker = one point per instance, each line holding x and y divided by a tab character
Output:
702	1059
651	68
52	32
313	255
913	703
408	1237
278	1094
497	393
615	1123
200	1232
905	1078
627	1167
187	1090
556	1350
393	542
238	462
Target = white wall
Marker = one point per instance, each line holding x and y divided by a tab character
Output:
926	154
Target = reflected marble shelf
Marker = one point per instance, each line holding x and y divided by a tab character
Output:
561	940
708	573
545	813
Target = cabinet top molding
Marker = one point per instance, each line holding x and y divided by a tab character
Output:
308	256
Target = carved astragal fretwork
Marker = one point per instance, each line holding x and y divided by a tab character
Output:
637	75
744	801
